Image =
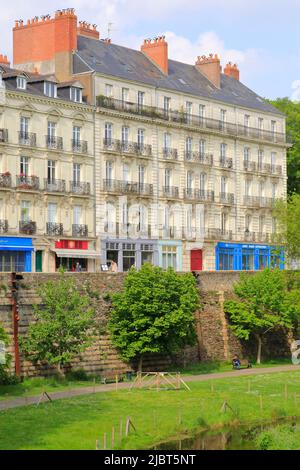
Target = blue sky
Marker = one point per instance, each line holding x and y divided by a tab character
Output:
262	36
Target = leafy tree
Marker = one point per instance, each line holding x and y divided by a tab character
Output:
265	303
154	313
288	220
292	110
64	326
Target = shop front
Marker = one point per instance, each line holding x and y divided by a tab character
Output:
75	256
123	254
244	257
16	254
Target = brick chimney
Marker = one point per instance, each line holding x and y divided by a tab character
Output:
4	60
46	43
157	51
210	67
88	30
231	70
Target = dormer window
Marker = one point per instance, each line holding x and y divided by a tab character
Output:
21	83
50	89
76	94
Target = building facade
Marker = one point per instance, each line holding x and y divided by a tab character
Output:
187	160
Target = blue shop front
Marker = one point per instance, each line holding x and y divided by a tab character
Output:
16	254
245	257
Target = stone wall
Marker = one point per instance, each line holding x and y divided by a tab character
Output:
215	339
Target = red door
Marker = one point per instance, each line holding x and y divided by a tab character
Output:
196	260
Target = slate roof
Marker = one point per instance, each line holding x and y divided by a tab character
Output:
130	64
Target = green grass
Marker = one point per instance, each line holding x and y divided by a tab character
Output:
76	423
283	437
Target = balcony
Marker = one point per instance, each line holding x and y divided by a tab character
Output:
27	138
218	234
257	201
181	117
226	163
54	230
248	236
55	186
199	157
171	192
27	227
5	180
3	135
135	148
226	198
127	187
263	237
276	170
79	188
170	154
3	226
79	146
54	143
256	237
199	195
28	182
80	231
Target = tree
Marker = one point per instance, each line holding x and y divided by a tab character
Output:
287	215
265	303
64	326
292	110
154	313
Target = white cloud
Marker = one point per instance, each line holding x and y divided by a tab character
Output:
295	96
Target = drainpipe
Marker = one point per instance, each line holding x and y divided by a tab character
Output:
16	319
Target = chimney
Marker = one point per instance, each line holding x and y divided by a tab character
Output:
231	70
88	30
157	51
211	68
4	60
46	43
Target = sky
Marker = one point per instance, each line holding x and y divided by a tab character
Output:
261	36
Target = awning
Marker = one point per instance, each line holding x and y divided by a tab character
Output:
91	254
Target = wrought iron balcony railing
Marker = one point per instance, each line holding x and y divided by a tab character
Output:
226	198
78	187
79	146
5	180
3	226
199	194
218	234
54	229
226	162
169	153
28	182
199	157
127	187
28	227
119	146
3	135
170	191
55	185
276	170
27	138
181	117
257	201
80	230
53	142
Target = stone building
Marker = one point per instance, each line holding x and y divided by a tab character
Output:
188	160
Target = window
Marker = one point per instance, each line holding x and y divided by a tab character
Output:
108	90
202	113
202	148
51	130
167	105
25	210
125	214
188	146
24	125
223	222
247	259
260	159
77	215
167	141
76	94
247	187
125	172
189	111
274	190
51	171
125	95
108	133
141	98
261	223
260	124
168	177
125	135
76	173
141	175
247	120
52	209
246	155
225	259
223	184
128	256
108	171
169	257
247	223
261	188
273	161
202	182
21	83
223	148
273	127
189	180
141	138
24	166
222	119
50	89
76	135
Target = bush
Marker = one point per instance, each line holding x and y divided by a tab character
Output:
79	374
8	379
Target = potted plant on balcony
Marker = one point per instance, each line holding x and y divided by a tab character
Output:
23	181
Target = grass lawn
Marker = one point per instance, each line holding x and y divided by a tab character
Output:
76	423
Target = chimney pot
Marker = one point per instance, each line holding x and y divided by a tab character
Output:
157	51
210	67
232	71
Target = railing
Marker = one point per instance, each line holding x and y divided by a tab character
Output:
263	237
79	146
54	229
80	230
169	153
5	180
119	146
170	191
199	194
3	226
55	186
257	201
27	138
226	162
77	187
249	236
127	187
3	135
28	227
53	142
226	198
199	157
218	234
276	170
263	168
28	182
182	117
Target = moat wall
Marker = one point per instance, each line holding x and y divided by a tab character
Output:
215	340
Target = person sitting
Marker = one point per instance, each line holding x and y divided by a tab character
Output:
236	363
